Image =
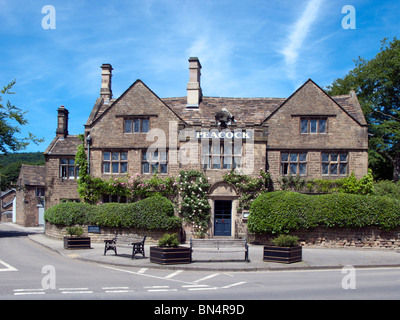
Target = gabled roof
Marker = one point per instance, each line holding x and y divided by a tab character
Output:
31	175
63	146
101	108
348	103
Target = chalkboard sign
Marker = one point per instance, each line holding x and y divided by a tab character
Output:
93	229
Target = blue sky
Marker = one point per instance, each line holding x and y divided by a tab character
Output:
252	48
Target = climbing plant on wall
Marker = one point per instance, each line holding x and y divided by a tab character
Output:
193	187
248	187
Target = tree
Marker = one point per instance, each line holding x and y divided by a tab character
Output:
377	85
8	131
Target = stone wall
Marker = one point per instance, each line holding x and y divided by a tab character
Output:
370	237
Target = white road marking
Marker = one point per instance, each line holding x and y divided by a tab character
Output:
20	292
233	285
173	274
143	270
207	277
8	267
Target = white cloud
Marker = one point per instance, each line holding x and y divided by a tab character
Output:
300	31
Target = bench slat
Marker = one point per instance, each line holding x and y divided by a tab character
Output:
218	244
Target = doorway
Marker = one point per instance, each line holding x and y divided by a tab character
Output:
222	218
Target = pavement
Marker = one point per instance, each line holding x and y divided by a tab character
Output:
314	258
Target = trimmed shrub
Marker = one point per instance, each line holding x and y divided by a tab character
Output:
149	214
283	211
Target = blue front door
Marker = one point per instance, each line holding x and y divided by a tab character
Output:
222	218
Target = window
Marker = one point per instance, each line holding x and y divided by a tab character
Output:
68	170
136	125
39	192
293	163
155	162
227	155
312	125
115	162
334	163
107	198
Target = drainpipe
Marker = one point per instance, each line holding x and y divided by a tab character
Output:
88	142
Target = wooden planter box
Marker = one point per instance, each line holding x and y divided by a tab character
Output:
170	255
76	242
282	254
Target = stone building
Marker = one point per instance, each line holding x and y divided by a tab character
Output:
309	134
30	193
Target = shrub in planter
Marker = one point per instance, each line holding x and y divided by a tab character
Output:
74	240
168	251
285	250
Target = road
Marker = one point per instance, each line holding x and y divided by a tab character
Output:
30	271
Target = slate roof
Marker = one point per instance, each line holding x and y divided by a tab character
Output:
63	146
31	175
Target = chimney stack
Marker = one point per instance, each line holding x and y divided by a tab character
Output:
62	123
106	74
194	93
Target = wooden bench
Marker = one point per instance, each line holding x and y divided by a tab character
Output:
221	245
125	241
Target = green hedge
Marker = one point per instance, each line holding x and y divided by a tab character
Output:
151	213
283	211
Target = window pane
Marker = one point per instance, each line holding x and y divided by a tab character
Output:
145	125
71	172
63	172
216	148
136	125
236	162
71	162
155	155
334	168
284	168
325	168
128	126
106	167
106	155
115	167
237	148
124	167
284	156
293	157
303	157
343	157
227	149
304	126
154	167
164	156
124	155
216	162
343	168
64	161
144	155
334	157
145	167
302	168
206	162
115	156
322	126
293	168
164	168
313	126
325	157
227	162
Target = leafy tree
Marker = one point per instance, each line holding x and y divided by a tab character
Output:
377	85
9	114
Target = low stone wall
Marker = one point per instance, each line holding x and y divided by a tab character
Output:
58	232
370	237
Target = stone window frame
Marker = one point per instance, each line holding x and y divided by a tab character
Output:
334	165
154	161
136	125
289	162
313	130
113	165
214	154
68	169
